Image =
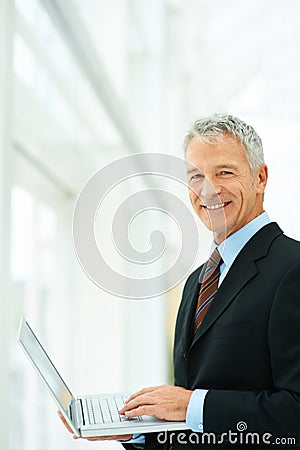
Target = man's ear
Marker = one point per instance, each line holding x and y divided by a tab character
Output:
262	175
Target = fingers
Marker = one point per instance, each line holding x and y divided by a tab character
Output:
123	437
67	425
164	402
64	422
140	398
141	392
142	410
147	403
136	404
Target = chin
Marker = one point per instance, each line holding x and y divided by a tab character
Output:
217	224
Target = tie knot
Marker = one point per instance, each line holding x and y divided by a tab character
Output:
215	258
209	268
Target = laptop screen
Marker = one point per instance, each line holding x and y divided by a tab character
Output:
44	366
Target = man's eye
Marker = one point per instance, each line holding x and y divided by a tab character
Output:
197	176
225	172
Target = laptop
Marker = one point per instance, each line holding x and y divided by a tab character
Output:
87	415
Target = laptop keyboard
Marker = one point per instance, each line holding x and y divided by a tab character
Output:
105	410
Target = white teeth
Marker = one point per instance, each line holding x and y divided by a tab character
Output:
220	205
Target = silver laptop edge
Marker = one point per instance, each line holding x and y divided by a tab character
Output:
65	406
71	407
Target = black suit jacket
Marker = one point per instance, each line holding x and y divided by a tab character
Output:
247	350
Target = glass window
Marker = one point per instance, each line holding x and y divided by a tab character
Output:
34	267
28	9
24	61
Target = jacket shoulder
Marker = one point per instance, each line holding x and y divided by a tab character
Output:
287	248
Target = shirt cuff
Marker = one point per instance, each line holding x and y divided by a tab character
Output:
194	414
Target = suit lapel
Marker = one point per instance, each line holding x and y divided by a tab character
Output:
189	310
241	272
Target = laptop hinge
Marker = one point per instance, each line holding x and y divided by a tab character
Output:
77	410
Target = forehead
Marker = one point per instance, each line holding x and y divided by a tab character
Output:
222	151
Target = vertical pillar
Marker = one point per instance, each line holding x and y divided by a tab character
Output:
147	318
6	83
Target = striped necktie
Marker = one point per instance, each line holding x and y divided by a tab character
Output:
209	285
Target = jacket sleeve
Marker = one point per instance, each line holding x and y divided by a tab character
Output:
151	443
276	412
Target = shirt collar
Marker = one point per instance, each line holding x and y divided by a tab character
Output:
230	247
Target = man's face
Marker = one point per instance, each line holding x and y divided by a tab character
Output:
223	191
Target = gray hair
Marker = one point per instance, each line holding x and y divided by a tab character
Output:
211	128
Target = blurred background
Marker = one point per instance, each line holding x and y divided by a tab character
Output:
85	83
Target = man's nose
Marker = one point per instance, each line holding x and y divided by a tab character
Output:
210	188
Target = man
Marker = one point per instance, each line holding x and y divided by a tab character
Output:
237	338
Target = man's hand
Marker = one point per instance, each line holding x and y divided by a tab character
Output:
125	437
165	402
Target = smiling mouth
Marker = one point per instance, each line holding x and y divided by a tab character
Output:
216	206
